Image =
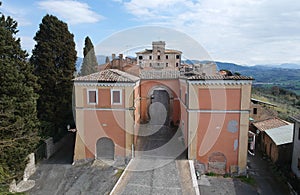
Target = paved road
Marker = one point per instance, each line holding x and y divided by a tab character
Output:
155	169
221	185
267	182
162	180
160	141
57	176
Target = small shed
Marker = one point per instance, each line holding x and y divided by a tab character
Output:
259	128
278	143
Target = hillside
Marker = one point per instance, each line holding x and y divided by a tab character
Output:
288	103
267	75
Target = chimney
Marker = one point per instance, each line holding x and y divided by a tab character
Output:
121	56
113	56
121	62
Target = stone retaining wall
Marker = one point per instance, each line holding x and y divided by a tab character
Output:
52	147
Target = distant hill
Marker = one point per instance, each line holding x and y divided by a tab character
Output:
282	66
267	75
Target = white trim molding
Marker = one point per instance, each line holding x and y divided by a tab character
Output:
115	84
218	111
220	82
88	96
112	97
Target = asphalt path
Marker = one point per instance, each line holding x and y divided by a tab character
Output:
58	176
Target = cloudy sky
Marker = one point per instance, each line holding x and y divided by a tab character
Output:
246	32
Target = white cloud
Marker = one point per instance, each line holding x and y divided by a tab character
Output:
17	13
246	31
73	11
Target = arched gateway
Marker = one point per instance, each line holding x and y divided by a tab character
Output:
159	105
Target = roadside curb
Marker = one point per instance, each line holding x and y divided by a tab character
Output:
193	175
120	179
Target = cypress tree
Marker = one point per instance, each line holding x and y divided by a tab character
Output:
89	64
18	116
107	60
54	58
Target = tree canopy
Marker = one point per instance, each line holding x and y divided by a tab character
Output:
18	116
89	64
54	58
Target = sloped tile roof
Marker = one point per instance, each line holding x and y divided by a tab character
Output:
109	75
270	124
160	74
218	77
281	135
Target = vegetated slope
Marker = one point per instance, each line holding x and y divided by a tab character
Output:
288	102
267	76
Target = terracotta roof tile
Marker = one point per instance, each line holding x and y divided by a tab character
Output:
109	75
270	124
159	74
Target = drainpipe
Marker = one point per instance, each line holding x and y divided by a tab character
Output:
132	151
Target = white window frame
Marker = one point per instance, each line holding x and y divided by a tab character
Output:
112	98
88	96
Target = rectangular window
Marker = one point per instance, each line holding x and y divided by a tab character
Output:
140	57
254	110
176	64
167	64
298	163
116	96
158	57
92	96
167	57
150	57
299	134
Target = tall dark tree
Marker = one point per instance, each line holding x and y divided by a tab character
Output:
89	64
107	60
54	58
18	116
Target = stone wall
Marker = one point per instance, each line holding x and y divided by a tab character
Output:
52	147
25	184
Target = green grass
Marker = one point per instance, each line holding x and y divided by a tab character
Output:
247	179
211	174
119	173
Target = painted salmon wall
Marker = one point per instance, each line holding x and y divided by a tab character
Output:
219	99
218	132
100	124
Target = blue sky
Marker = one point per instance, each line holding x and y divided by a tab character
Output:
242	31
